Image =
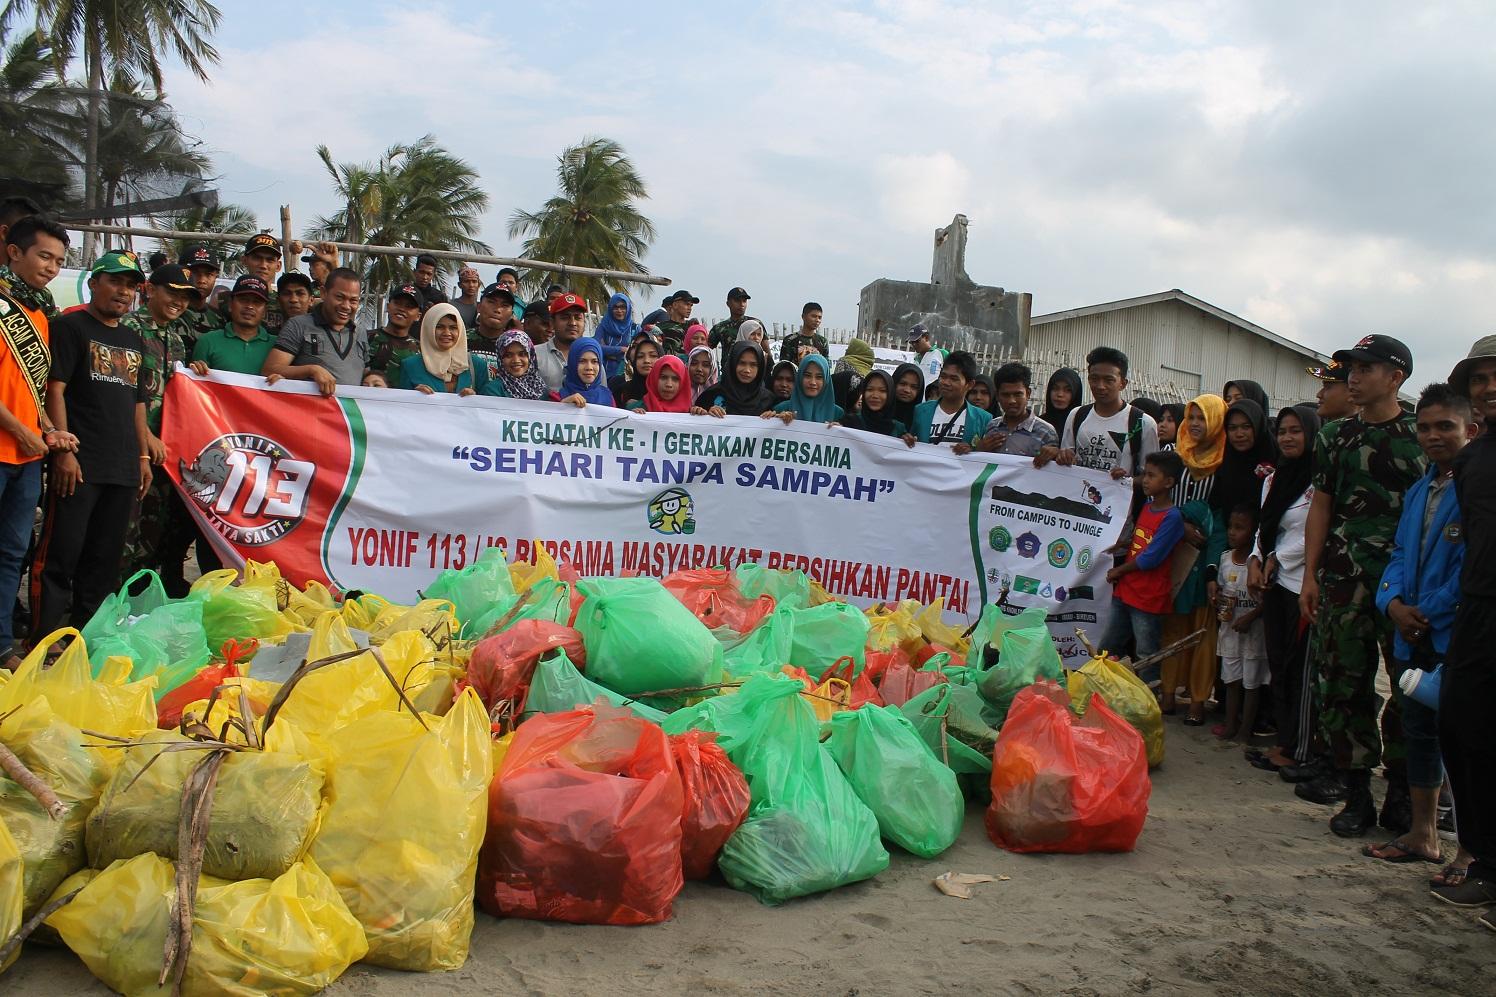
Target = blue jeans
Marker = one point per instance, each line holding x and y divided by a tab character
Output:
1420	736
1142	630
20	487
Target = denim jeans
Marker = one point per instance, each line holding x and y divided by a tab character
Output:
1420	736
20	487
1133	625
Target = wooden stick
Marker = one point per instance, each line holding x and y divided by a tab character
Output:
1183	644
29	781
192	842
24	931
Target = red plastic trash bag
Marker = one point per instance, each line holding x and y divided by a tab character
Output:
862	689
717	800
501	665
200	686
902	683
712	596
584	822
879	662
1061	784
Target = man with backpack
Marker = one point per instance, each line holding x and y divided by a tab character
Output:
1108	434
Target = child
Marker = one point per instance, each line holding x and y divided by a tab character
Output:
1142	593
1241	642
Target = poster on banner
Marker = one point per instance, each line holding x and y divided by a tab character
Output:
381	491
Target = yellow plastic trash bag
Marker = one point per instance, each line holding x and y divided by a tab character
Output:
500	749
819	596
110	704
263	814
1127	695
432	617
893	626
333	696
361	613
300	606
288	935
933	626
405	818
53	750
222	719
523	574
10	890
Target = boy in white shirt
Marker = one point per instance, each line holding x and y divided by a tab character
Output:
1109	434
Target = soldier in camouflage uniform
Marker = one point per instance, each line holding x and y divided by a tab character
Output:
400	338
725	332
1370	460
203	264
262	259
805	336
159	536
672	331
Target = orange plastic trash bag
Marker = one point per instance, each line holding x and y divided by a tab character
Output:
584	822
716	797
502	665
1066	784
712	596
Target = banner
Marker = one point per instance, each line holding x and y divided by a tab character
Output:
381	490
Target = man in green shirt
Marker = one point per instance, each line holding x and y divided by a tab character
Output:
725	333
672	331
400	338
242	345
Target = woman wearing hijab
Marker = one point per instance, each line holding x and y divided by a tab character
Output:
741	390
666	388
1235	391
696	336
641	356
752	331
874	414
518	376
1201	445
908	391
1061	397
442	366
1250	456
983	394
1277	570
850	370
812	399
782	380
584	383
616	332
701	362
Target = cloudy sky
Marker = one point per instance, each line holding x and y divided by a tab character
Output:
1324	170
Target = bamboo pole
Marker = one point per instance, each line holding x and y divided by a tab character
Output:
288	258
353	247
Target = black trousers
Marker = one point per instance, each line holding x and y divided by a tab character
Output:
1467	706
1287	661
78	554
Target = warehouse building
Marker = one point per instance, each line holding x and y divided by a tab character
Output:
1178	345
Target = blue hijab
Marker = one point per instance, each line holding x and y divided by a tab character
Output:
821	408
597	392
615	335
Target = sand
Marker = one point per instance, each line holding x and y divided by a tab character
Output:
1236	887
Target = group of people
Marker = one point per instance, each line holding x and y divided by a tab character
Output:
1304	545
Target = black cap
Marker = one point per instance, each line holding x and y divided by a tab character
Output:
1378	349
682	296
497	290
1332	371
262	240
200	255
406	291
293	277
174	276
738	294
248	284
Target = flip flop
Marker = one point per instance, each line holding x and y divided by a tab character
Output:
1450	875
1404	854
1194	721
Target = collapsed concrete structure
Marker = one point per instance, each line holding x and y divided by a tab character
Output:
960	313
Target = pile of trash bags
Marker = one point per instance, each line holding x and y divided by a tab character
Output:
311	781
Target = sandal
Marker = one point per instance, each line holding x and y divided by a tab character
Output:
1194	721
1397	853
1450	875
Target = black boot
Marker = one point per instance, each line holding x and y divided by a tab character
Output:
1397	808
1360	812
1307	772
1328	789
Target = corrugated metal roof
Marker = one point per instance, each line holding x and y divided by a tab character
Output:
1189	299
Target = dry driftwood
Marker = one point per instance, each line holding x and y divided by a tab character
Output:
32	783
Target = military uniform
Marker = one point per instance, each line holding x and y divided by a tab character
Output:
200	321
791	349
725	333
1366	468
387	353
672	336
164	529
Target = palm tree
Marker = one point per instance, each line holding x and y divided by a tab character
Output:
37	123
232	218
593	221
120	35
143	152
416	195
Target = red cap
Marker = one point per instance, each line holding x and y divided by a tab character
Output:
567	302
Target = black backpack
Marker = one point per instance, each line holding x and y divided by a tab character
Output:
1134	433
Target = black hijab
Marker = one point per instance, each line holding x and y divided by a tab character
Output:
1153	408
986	379
880	421
904	411
1290	478
735	397
1056	416
1250	390
1237	481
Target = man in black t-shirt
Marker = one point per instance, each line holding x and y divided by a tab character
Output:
97	391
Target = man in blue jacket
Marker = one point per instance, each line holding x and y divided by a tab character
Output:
949	419
1420	592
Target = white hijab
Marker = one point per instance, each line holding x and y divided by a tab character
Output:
443	364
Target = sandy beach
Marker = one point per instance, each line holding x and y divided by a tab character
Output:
1236	887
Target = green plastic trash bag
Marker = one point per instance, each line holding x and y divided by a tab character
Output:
790	589
160	636
557	687
826	634
806	830
949	720
640	638
1025	654
475	589
239	612
547	599
916	799
766	648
